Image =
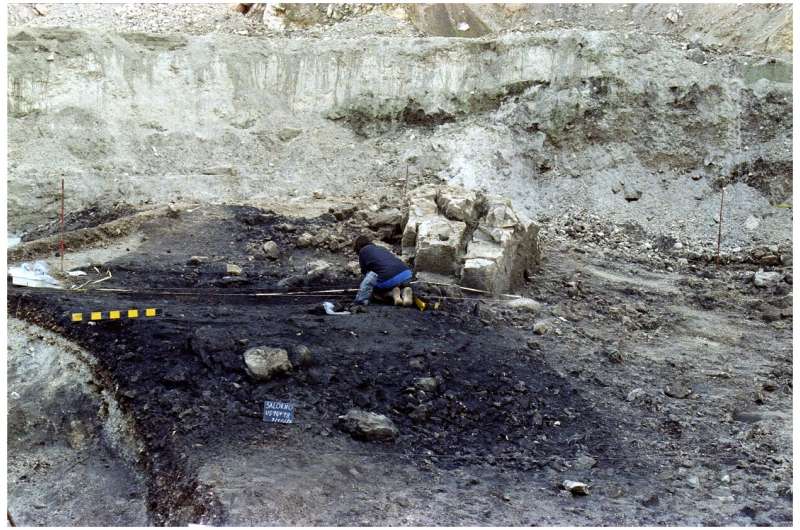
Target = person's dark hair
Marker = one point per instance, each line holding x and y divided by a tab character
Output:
361	242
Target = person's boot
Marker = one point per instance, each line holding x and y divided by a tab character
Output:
408	297
396	296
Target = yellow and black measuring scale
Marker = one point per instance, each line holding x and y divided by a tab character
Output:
115	314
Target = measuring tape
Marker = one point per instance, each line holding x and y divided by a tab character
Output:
116	314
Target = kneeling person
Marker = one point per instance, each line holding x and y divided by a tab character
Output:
385	275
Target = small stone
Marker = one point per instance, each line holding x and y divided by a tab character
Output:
677	391
318	194
271	250
367	426
632	195
304	356
770	260
428	384
764	279
305	240
353	267
528	305
287	133
197	260
263	363
232	269
694	481
540	327
173	211
751	223
463	26
417	363
616	357
678	245
634	394
574	487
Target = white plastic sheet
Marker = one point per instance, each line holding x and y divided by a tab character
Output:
33	275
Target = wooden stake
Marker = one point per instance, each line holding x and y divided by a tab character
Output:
719	234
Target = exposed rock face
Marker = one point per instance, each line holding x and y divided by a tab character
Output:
368	425
264	363
475	237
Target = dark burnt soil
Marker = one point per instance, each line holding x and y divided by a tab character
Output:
92	216
657	377
182	376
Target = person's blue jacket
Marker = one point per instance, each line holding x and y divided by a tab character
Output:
386	265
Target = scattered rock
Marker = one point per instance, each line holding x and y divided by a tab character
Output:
677	391
173	211
528	305
770	313
416	362
541	327
318	269
288	133
263	363
221	170
231	269
77	435
367	426
634	394
304	356
271	250
751	223
428	384
353	267
694	482
632	195
197	260
390	217
318	194
674	16
576	488
305	240
765	279
615	356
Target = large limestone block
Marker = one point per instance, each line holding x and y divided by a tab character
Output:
480	273
459	204
478	239
485	250
500	213
421	205
440	245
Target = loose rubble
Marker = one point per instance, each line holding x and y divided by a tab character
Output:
264	363
368	426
